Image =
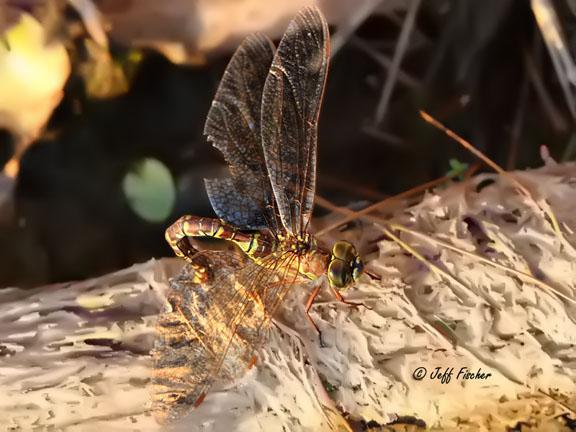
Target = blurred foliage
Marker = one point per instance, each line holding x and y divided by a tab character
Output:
104	75
32	75
150	190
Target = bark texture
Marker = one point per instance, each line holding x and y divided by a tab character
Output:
492	286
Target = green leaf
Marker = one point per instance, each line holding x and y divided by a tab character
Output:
150	190
457	169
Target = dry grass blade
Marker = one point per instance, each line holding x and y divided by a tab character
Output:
569	409
463	289
522	275
518	124
546	100
92	19
539	204
353	215
563	63
347	28
384	61
429	119
358	190
399	52
387	202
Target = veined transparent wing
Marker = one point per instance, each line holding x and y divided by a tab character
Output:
214	328
245	199
291	103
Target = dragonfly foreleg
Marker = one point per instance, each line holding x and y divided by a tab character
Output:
340	298
309	303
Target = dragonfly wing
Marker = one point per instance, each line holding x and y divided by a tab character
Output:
181	359
291	103
213	328
244	199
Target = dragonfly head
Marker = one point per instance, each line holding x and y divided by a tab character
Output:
345	265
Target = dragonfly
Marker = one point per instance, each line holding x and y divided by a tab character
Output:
264	121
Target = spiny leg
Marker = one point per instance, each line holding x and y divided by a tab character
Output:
372	275
309	303
340	298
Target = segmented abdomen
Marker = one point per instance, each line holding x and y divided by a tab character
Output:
255	245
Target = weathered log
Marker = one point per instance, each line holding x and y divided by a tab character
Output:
489	285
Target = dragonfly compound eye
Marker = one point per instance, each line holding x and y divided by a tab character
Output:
345	264
344	251
339	274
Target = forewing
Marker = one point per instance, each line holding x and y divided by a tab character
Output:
245	199
290	108
213	329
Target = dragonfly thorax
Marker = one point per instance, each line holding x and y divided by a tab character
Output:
304	244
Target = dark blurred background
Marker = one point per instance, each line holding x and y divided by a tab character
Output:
120	153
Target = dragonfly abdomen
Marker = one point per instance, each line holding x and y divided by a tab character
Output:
254	244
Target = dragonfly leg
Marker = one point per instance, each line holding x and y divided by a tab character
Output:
372	276
340	298
311	298
200	399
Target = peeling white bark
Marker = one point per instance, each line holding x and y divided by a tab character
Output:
75	357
